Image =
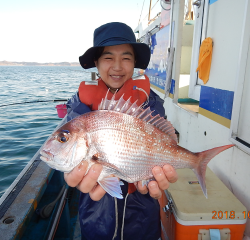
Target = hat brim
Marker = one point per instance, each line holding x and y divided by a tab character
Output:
142	53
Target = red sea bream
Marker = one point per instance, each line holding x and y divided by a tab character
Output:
127	140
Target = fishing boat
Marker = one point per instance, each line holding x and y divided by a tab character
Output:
200	65
208	107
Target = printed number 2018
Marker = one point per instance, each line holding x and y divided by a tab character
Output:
225	214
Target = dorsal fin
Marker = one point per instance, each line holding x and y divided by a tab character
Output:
133	109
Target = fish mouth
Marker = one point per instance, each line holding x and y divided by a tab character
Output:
46	156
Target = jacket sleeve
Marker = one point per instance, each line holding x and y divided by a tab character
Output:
155	103
75	107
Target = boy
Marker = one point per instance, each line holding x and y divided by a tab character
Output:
115	54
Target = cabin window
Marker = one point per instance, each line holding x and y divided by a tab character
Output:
240	122
193	32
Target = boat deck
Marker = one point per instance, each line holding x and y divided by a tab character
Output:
37	186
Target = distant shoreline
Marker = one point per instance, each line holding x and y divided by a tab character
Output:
6	63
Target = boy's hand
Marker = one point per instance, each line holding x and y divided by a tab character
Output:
163	177
86	184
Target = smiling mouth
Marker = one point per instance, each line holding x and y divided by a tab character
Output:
116	77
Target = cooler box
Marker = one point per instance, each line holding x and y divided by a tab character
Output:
186	214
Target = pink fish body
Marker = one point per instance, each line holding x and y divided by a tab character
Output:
127	140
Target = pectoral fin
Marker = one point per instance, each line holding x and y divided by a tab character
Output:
112	186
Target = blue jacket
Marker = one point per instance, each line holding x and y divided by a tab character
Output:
100	220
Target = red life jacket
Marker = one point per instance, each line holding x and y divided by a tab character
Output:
91	93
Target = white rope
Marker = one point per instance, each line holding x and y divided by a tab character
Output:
116	219
123	217
140	89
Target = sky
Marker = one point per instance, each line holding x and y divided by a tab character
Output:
58	30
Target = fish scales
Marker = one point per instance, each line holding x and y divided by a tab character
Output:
127	146
138	146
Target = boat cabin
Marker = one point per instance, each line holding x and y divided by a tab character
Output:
200	65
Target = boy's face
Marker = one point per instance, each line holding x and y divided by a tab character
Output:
116	65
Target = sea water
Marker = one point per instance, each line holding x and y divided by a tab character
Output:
24	127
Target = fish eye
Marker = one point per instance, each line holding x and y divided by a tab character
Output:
62	137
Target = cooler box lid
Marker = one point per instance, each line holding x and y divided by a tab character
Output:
191	207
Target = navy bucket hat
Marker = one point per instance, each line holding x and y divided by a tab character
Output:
116	33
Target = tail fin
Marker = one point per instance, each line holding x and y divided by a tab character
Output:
204	158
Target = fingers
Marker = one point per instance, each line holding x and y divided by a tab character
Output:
154	190
74	177
140	188
86	183
90	180
163	176
97	193
170	173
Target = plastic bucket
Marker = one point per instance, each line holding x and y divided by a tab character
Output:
61	110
